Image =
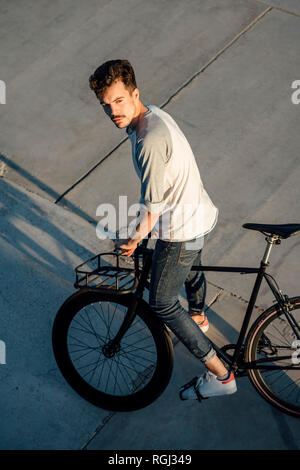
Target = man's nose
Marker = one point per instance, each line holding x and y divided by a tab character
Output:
108	110
113	110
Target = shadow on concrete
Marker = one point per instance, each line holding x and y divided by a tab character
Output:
44	187
25	217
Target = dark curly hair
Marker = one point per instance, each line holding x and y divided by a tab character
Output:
111	71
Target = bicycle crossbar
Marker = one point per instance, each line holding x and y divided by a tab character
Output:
226	269
262	366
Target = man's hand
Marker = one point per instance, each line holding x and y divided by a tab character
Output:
128	245
144	227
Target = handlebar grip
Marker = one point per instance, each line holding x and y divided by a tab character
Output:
143	244
118	251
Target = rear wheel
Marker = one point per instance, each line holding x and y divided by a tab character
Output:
128	377
272	342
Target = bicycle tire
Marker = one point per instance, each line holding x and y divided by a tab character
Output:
271	336
146	327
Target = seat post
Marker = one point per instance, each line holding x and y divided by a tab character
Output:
271	240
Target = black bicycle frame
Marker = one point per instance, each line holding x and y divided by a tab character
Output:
242	270
261	274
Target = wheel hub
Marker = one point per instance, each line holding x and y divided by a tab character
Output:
110	349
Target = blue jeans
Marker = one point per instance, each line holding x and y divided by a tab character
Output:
171	269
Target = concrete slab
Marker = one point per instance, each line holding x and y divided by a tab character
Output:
40	246
249	124
250	247
51	125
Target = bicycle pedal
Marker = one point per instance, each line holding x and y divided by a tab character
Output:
190	384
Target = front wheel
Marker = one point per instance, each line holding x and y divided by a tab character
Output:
273	346
128	377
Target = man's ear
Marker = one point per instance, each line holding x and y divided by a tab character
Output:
136	93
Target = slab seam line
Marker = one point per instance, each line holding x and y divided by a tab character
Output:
186	83
98	429
232	294
289	12
217	55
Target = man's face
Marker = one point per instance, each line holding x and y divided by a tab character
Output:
119	104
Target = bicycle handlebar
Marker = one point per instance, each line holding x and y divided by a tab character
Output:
140	249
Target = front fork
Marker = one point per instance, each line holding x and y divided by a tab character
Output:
114	345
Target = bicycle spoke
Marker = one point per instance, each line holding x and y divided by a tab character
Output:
83	355
126	369
141	358
134	332
89	333
134	349
80	342
82	328
129	368
93	328
132	362
272	347
116	376
101	373
89	365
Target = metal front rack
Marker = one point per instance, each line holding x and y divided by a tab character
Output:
108	271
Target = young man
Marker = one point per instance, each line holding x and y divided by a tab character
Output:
175	202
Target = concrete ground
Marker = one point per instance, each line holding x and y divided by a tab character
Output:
224	70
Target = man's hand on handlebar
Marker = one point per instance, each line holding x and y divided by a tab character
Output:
127	246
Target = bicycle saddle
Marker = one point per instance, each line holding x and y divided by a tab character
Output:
283	230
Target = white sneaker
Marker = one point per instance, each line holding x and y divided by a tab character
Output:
208	385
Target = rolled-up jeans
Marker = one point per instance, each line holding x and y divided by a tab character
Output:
171	269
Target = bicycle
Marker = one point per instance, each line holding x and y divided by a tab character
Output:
115	353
